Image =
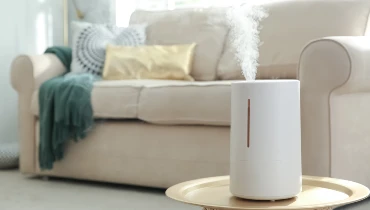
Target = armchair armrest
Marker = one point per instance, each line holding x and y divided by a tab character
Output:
335	80
27	74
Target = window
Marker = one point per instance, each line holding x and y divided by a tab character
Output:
124	8
175	4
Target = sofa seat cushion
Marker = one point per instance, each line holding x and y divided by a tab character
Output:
161	101
112	99
186	103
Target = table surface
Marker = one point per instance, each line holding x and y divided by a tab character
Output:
317	193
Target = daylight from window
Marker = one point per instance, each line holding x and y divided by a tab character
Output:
124	8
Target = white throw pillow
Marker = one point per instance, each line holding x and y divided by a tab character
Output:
89	43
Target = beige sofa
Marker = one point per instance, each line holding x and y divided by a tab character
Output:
159	133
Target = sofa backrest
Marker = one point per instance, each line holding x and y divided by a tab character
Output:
291	25
205	27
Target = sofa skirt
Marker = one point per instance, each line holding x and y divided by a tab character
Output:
138	153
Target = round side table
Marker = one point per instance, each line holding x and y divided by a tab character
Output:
318	193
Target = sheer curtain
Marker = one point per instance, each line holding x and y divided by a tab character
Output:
124	8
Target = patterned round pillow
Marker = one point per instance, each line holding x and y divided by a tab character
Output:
9	155
89	43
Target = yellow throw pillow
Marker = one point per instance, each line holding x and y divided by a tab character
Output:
170	62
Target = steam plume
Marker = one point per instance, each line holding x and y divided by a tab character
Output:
244	24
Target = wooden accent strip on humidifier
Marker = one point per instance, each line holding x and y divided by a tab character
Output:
249	123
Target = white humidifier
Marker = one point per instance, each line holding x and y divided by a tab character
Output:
265	140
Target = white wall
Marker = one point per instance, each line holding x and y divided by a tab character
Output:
27	26
124	9
8	48
95	11
40	25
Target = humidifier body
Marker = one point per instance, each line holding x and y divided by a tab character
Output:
265	148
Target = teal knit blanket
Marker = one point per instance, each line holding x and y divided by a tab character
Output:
65	110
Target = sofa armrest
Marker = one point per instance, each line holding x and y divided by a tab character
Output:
329	67
27	74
